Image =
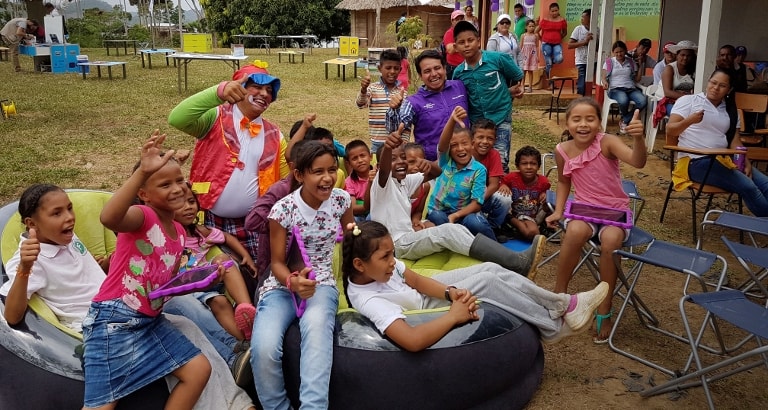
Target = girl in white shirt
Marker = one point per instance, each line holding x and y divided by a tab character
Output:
381	288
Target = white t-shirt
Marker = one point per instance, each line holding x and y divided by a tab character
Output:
391	205
242	189
10	28
622	75
383	303
580	34
65	277
710	132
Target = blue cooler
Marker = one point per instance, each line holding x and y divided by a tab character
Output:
83	59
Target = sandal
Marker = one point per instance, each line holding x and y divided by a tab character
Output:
599	319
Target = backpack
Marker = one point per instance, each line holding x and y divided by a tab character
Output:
609	66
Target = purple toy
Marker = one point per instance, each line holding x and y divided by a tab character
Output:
191	280
598	214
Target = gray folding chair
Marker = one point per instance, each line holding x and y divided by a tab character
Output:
693	263
733	307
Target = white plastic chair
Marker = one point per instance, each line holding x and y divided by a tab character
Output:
650	130
607	104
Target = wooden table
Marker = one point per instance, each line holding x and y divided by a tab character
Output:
185	58
291	56
149	51
99	64
116	44
341	64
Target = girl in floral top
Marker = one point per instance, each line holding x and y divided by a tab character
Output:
314	211
128	343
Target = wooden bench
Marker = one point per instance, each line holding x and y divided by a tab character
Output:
291	56
4	52
341	64
99	64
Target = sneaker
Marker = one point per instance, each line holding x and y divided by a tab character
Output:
586	303
622	128
533	254
241	369
245	313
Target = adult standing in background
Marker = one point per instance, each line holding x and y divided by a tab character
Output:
14	32
520	20
452	55
468	16
503	40
580	39
552	30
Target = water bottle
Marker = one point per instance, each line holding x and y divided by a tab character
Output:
740	159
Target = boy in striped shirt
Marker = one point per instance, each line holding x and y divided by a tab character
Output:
376	96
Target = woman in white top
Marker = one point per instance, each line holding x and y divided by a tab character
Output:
708	120
503	40
619	76
677	78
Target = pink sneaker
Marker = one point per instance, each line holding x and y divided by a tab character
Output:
245	313
622	128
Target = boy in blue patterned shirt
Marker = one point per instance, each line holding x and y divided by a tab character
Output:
460	189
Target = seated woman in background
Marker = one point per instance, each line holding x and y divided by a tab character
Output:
619	76
677	78
708	120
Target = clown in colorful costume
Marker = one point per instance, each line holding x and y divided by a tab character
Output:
238	154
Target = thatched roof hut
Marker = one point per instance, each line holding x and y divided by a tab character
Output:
369	18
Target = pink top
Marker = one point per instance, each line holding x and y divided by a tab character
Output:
403	76
196	247
595	178
143	260
356	187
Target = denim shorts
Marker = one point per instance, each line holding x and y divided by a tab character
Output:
207	295
126	350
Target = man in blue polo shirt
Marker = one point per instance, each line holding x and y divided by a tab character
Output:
485	75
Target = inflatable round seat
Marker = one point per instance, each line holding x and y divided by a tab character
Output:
495	362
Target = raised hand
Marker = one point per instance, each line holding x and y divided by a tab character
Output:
234	91
635	126
151	160
309	119
396	99
458	115
29	251
365	81
395	139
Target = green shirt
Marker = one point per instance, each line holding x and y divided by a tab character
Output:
520	26
487	86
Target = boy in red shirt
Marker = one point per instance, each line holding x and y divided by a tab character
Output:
528	192
495	206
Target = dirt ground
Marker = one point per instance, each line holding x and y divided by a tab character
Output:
580	374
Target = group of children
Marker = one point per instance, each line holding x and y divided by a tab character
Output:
307	206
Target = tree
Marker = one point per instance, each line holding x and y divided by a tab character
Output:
276	17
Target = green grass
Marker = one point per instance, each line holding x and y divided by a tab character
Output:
86	133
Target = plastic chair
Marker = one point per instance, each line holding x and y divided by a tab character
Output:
608	104
733	307
693	263
650	130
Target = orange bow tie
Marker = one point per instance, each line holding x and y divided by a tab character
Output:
253	128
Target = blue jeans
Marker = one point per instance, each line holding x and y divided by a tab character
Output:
275	313
191	308
754	191
582	80
476	222
496	210
553	54
504	141
375	145
623	96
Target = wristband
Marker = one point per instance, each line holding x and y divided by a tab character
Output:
288	281
448	293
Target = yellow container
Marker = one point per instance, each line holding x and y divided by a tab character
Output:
349	46
197	43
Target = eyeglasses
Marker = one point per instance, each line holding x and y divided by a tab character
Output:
505	23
